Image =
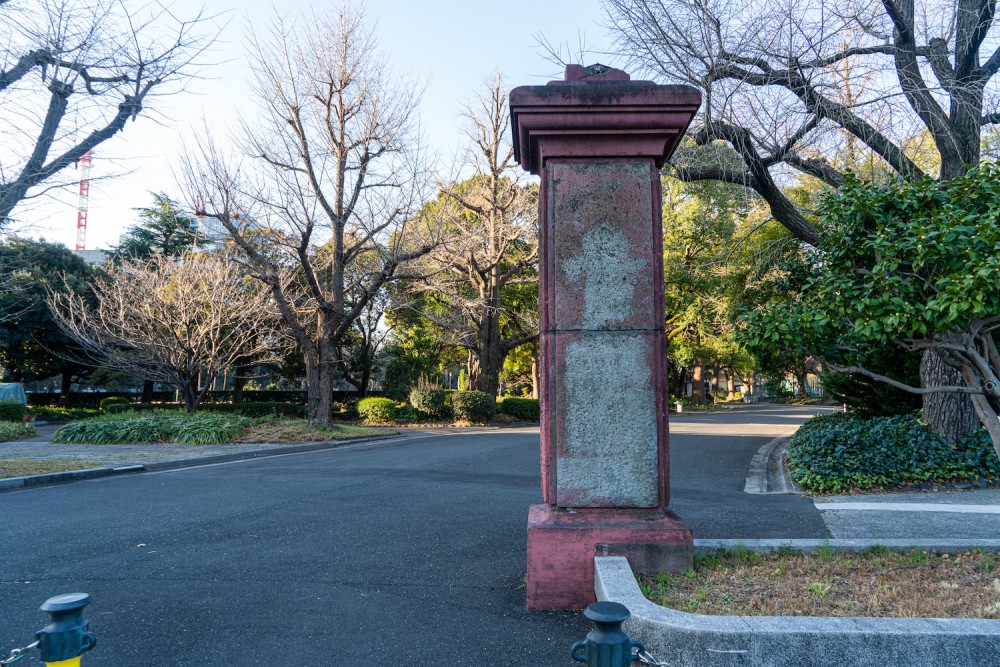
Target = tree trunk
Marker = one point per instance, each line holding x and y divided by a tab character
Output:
800	378
490	365
147	391
240	374
698	382
730	386
65	383
491	357
320	390
949	415
190	392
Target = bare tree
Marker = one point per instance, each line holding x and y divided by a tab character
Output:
491	249
72	74
333	165
809	88
179	321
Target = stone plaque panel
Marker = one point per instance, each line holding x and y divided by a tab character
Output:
603	259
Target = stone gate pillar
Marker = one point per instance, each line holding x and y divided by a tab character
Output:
598	140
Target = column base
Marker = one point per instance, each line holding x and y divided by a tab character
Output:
562	544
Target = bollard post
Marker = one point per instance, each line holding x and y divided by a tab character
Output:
607	644
67	636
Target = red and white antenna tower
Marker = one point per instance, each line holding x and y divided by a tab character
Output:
81	208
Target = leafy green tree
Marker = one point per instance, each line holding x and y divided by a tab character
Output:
912	263
717	249
32	347
482	280
163	229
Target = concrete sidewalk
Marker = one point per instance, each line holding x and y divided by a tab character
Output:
946	516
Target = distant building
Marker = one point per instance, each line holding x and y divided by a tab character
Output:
93	257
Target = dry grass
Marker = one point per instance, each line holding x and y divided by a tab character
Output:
22	467
828	582
297	431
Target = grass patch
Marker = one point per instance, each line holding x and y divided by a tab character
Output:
128	428
15	431
292	431
873	583
23	467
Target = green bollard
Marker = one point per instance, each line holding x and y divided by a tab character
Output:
607	644
67	637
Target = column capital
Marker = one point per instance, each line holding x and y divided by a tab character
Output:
597	112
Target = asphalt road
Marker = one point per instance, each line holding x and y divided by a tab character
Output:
408	553
709	458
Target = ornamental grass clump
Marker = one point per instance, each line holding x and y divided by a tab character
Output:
841	452
154	427
15	431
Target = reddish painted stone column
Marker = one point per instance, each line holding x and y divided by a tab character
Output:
598	140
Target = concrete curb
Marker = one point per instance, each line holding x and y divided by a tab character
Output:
772	545
14	483
694	640
767	473
11	483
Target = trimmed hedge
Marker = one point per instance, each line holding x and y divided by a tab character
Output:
522	408
839	452
376	410
259	409
91	399
154	427
12	411
473	406
53	414
116	401
433	402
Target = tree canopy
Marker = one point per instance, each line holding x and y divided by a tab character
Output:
913	263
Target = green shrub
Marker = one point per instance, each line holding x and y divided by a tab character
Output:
110	401
15	431
254	409
376	410
839	452
433	402
154	427
522	408
410	414
54	414
118	408
12	411
473	406
258	409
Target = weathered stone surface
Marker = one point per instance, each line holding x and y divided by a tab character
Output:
607	420
603	250
598	139
562	545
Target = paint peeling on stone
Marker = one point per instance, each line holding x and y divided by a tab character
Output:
601	253
608	274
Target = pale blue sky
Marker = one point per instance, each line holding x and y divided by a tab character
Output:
452	44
